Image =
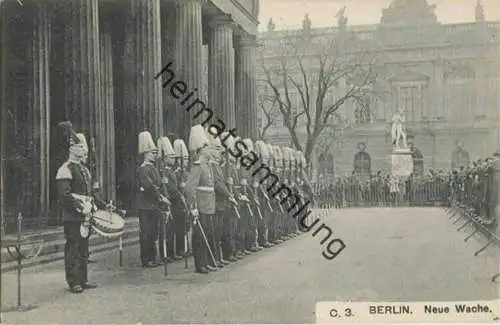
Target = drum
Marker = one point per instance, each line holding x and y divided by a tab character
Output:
107	224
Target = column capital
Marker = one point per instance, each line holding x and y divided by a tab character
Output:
221	20
246	40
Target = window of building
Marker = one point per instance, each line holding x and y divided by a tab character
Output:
460	94
410	99
460	102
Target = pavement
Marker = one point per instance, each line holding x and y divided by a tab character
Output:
391	254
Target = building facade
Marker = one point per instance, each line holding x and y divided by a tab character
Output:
94	62
444	76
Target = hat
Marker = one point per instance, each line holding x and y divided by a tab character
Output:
261	150
67	128
198	138
278	155
214	140
248	142
230	141
146	143
286	154
165	147
82	141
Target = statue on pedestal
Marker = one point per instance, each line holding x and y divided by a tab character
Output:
270	25
306	23
341	19
398	130
401	158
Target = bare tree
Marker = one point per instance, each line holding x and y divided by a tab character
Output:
311	78
270	114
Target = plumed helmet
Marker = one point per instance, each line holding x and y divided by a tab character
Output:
146	143
249	143
181	151
278	156
165	147
262	150
83	141
69	134
229	140
198	138
214	140
286	154
301	158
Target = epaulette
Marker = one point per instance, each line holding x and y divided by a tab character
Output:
64	172
198	162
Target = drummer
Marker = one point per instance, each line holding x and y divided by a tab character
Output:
96	189
73	178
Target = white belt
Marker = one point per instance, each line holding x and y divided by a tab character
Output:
205	189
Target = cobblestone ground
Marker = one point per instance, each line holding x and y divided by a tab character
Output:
391	255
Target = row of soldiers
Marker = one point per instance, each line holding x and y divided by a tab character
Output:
226	206
229	209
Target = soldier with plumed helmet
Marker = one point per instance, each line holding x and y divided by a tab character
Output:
200	197
223	198
261	150
75	193
231	214
151	202
234	182
171	189
253	208
182	223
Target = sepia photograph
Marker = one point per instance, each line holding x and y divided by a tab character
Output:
249	161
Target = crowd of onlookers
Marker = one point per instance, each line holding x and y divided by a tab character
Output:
382	190
472	186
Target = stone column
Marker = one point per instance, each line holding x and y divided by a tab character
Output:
168	26
3	103
188	64
83	78
246	87
143	92
38	142
437	108
221	72
107	96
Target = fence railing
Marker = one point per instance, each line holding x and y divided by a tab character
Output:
474	199
351	192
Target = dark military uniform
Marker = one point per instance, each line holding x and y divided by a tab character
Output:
175	226
230	222
149	208
73	178
200	195
223	208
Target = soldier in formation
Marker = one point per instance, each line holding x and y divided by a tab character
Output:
230	209
78	200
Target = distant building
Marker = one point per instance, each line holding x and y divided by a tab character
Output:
445	76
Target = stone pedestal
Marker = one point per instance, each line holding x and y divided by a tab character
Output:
401	162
